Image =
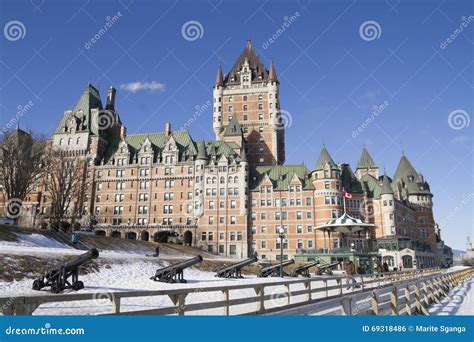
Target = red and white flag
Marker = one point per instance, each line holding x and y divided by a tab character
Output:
346	194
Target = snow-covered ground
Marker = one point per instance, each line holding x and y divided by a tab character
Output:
460	301
32	240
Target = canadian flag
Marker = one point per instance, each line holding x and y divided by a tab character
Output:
346	194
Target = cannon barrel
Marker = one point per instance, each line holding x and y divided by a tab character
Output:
303	269
226	271
173	273
326	267
271	270
77	261
66	274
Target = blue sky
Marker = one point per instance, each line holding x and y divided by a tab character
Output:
332	74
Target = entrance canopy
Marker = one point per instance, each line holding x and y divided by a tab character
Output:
345	224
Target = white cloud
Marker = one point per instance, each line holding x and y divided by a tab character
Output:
134	87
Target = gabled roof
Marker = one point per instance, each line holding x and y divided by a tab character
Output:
280	175
255	65
233	128
158	141
324	158
366	161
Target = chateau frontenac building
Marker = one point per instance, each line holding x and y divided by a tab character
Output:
231	196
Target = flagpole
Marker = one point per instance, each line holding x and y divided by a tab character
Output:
344	199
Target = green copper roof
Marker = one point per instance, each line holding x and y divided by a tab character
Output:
158	141
411	181
324	158
371	186
90	99
349	181
386	186
201	147
366	161
233	128
280	176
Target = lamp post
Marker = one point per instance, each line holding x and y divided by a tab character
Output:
282	236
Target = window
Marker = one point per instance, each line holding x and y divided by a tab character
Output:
232	249
232	220
263	244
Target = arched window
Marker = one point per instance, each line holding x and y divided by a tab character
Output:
236	179
222	181
214	180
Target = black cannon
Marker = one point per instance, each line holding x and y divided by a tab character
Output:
57	276
326	268
174	273
304	269
274	271
235	270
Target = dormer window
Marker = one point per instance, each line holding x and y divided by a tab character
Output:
411	178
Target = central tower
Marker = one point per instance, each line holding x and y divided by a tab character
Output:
249	95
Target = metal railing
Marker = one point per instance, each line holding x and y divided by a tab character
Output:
260	298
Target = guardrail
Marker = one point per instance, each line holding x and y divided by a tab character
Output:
408	298
297	293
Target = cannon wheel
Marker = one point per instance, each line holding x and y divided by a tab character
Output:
78	285
55	288
38	284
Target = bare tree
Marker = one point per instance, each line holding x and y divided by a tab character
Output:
22	163
64	181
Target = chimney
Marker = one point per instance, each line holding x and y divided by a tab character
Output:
111	98
167	129
123	132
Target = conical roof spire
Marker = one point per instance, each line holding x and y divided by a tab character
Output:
272	76
219	78
202	154
386	186
366	161
324	158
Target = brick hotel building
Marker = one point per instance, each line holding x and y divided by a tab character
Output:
230	196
